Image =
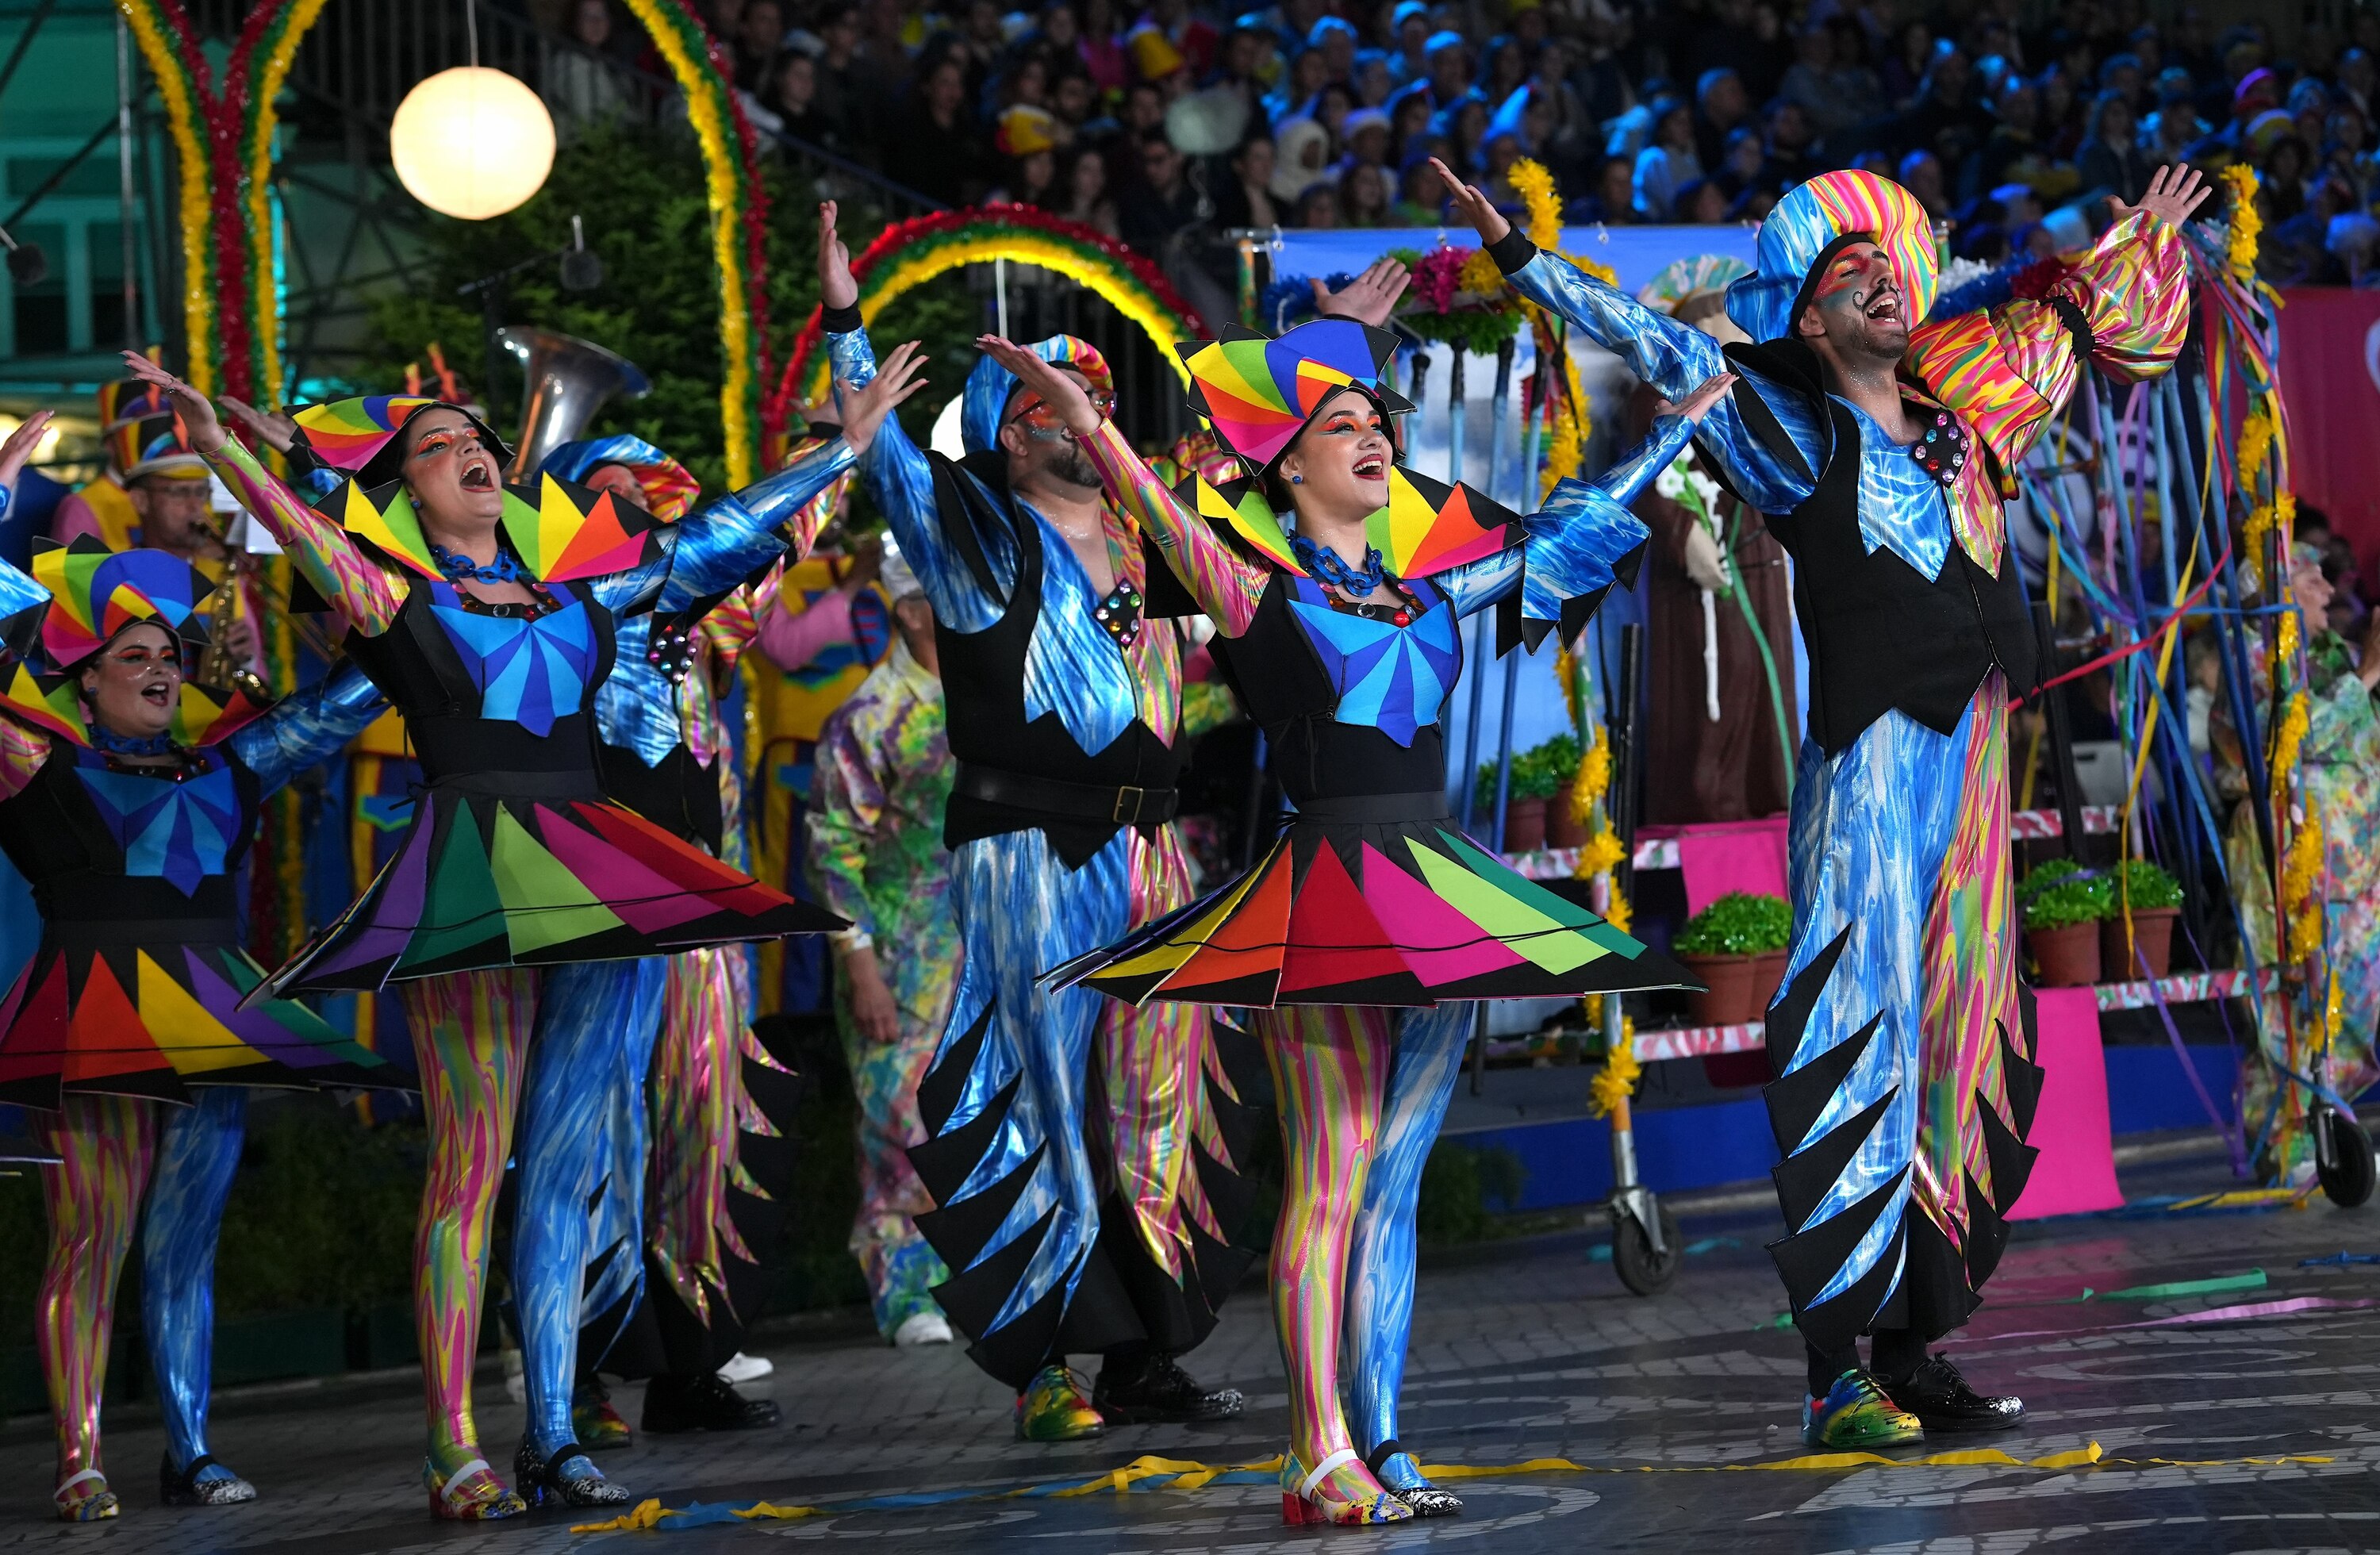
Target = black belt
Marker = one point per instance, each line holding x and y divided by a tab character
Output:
1125	805
1376	808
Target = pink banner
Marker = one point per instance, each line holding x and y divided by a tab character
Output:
2330	385
2076	1171
1721	856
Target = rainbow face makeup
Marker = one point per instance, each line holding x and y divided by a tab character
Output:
1860	281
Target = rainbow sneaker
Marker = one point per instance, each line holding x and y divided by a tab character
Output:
1857	1414
1053	1408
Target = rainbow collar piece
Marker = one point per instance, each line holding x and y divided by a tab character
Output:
668	486
1426	527
1258	391
1829	206
561	533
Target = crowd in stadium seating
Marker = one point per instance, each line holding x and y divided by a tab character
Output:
1167	127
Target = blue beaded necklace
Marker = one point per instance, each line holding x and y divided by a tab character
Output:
110	744
1324	564
503	569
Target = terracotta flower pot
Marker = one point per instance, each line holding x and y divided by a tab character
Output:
2152	931
2068	957
1767	976
1525	825
1561	830
1727	996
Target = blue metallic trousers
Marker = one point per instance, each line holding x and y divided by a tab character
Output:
582	1129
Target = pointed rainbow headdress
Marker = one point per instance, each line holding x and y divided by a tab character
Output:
1814	218
1258	391
669	487
359	436
95	594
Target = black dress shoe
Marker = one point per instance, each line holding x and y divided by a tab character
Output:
1942	1401
704	1403
1150	1388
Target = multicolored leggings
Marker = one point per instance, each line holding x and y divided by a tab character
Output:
1362	1091
901	1269
470	1042
110	1154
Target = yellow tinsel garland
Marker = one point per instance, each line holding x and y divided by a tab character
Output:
193	200
2287	651
719	164
2285	741
1479	274
1534	184
1616	1081
264	93
2302	864
2246	222
2255	446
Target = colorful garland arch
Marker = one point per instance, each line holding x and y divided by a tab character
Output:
921	249
226	145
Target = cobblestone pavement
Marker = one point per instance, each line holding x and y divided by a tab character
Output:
1532	1352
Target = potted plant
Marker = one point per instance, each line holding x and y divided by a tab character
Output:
2154	899
1564	826
2062	906
1720	946
1769	926
1534	782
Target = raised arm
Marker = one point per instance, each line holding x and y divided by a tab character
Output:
1225	584
311	726
17	591
2125	307
367	593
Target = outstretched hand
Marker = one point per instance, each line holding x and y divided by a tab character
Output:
1064	394
836	288
1472	204
1696	405
2175	191
197	412
20	448
865	406
1369	299
277	429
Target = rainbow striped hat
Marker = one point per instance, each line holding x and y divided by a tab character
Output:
1815	217
1258	392
358	435
96	593
668	486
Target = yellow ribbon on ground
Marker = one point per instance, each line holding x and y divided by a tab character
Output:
1188	1474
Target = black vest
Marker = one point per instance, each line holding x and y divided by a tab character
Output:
1881	634
53	833
983	683
1280	679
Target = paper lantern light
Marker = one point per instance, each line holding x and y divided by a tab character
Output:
471	142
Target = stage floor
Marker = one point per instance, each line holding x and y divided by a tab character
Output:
1532	1351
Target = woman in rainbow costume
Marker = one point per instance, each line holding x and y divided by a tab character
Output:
129	798
1361	937
487	614
1880	444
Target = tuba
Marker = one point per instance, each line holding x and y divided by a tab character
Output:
569	379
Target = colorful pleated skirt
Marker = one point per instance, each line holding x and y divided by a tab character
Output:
1409	913
486	879
154	1019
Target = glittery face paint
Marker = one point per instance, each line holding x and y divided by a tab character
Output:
1858	303
104	1146
470	1039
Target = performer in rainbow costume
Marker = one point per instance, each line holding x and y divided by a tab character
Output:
487	615
1364	933
686	1271
1063	703
1880	445
129	798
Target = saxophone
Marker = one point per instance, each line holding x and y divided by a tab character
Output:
219	667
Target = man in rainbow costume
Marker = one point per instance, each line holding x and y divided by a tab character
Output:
1879	445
